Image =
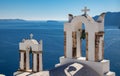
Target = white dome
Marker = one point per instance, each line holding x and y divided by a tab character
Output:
32	41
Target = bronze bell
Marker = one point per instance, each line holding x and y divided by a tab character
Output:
83	36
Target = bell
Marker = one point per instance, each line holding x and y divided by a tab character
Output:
83	36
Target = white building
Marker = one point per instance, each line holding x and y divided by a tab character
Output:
25	48
72	63
94	34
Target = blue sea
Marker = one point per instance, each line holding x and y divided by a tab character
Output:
53	36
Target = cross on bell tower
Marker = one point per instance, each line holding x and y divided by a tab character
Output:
85	10
31	36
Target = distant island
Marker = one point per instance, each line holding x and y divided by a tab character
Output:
111	19
21	20
11	20
52	21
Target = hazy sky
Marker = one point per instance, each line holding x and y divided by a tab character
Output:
53	9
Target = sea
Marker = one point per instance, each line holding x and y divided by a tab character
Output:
12	33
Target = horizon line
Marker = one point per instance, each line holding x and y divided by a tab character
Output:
48	19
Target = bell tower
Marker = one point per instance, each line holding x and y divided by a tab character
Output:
93	32
26	47
94	35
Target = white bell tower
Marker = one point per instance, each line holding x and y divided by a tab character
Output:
26	47
94	35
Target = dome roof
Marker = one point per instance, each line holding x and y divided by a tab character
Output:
73	69
31	41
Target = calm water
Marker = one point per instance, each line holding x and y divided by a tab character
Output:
52	36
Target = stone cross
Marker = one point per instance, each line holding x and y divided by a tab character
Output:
31	36
85	10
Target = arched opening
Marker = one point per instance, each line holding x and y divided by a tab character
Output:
31	57
83	40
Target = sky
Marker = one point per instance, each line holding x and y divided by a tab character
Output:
53	9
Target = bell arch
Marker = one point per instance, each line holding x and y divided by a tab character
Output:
83	41
72	34
89	33
81	27
27	47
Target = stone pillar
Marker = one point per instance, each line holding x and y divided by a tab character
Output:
28	59
40	56
91	46
22	60
78	44
87	46
69	44
25	60
40	61
99	49
74	46
34	68
37	61
96	47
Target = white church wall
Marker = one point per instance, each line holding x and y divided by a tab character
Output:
65	60
101	26
22	46
77	26
78	20
68	27
27	43
106	65
35	47
42	73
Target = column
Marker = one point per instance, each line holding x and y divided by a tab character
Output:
37	61
91	46
22	60
27	60
40	61
34	69
78	44
69	44
96	47
74	45
99	46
